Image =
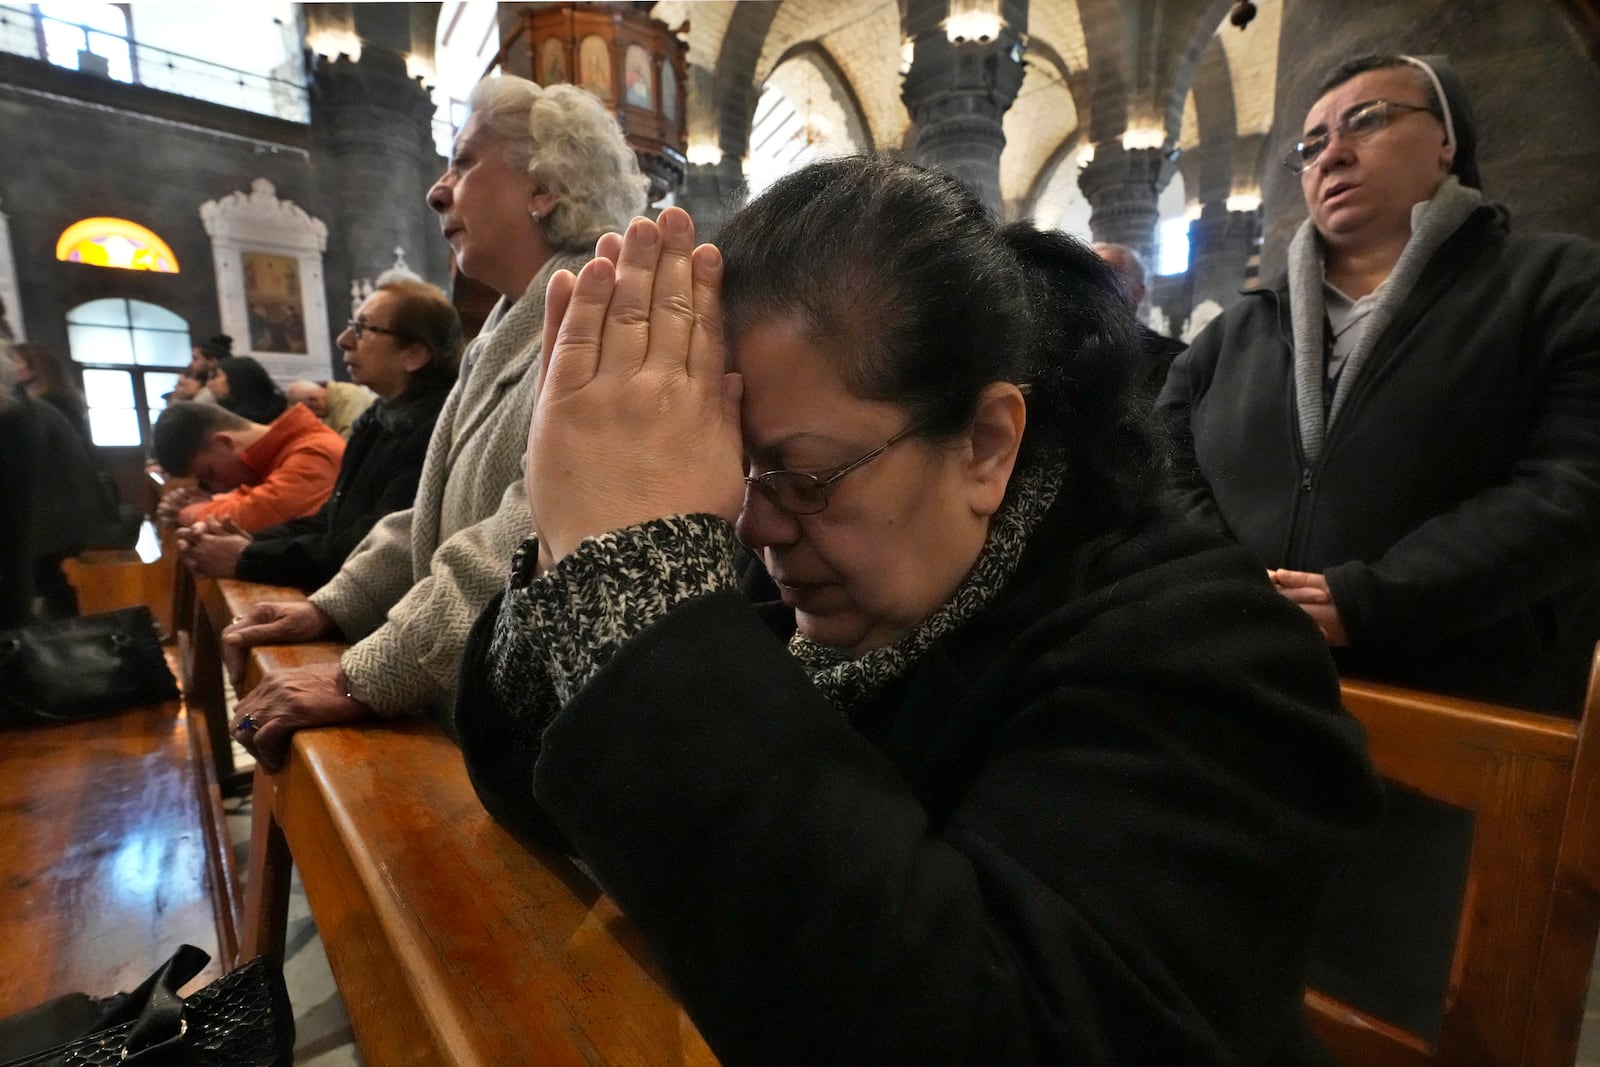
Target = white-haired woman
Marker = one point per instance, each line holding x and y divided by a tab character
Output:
536	175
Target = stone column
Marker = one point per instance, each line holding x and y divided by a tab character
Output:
957	94
1122	187
374	152
711	192
1221	243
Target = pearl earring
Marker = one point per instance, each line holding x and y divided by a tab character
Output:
533	213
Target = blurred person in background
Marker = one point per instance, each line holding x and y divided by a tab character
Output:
43	375
244	387
337	404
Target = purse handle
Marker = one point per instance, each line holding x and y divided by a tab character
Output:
160	1023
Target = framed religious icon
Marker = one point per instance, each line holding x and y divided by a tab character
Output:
273	303
270	289
640	78
553	62
594	67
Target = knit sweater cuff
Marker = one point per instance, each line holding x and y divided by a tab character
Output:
390	684
572	620
344	601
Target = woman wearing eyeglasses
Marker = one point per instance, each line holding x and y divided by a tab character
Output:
1406	427
403	344
1017	770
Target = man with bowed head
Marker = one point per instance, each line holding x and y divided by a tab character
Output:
536	176
1406	428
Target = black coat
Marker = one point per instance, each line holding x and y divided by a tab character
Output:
1455	509
52	498
1091	826
379	474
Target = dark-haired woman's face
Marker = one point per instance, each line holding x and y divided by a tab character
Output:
898	534
25	372
218	384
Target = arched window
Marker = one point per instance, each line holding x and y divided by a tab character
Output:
804	113
130	353
106	242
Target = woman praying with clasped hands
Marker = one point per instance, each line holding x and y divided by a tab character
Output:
1017	769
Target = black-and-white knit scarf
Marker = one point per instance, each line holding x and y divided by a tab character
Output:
846	682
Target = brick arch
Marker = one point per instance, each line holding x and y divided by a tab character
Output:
834	75
737	91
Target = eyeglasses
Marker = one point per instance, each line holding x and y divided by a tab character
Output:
1358	124
359	328
799	493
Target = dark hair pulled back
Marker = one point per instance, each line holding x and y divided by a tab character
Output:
905	276
252	394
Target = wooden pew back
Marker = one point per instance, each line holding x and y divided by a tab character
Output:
1530	909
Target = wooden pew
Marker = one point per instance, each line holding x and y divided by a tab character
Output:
1530	911
450	942
453	944
108	864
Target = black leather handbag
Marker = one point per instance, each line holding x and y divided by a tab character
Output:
68	669
243	1019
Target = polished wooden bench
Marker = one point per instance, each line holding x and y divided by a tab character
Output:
450	942
1527	790
106	861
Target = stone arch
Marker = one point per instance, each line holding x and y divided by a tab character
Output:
1050	175
1183	57
1077	82
737	91
838	84
1110	43
1218	130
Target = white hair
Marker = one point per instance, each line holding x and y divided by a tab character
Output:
571	146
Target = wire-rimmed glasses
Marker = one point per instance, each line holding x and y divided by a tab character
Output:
799	493
1357	124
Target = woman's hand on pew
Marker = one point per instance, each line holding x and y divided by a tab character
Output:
290	700
274	623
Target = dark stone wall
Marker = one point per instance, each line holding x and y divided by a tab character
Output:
1535	94
73	146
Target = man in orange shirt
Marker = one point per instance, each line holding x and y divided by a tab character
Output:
256	475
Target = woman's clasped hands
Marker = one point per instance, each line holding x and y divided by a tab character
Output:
637	415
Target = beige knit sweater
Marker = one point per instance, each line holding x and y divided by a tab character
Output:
409	593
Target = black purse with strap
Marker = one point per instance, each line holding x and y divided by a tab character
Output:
68	669
243	1019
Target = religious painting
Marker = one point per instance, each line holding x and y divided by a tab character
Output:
273	303
640	87
594	66
669	91
552	62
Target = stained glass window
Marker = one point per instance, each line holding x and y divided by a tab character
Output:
107	242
